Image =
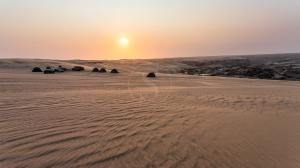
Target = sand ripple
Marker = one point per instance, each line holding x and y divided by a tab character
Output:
214	123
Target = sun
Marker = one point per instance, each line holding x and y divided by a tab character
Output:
123	41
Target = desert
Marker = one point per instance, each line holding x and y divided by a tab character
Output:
93	119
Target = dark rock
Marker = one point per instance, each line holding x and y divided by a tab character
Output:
37	69
182	71
49	71
95	70
265	67
114	71
151	75
279	77
265	73
78	68
102	70
62	68
59	69
292	74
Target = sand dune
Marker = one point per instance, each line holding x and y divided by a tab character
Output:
167	65
103	120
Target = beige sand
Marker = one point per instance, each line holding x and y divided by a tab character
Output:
94	120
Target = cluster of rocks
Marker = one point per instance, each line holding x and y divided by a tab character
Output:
50	70
244	68
53	70
103	70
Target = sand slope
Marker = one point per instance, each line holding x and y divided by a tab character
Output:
164	65
95	120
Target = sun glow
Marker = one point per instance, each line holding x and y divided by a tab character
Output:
123	41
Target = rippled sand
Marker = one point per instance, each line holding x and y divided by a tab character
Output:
94	120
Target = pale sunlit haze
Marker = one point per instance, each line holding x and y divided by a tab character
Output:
95	29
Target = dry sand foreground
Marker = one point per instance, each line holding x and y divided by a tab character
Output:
92	120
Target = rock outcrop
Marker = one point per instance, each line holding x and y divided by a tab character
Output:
78	68
49	71
102	70
95	70
151	75
37	69
115	71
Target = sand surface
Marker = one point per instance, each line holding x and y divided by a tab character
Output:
93	120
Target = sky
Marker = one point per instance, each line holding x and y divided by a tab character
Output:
92	29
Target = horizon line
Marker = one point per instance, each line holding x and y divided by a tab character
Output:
225	55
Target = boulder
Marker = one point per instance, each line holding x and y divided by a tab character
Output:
62	68
78	68
114	71
49	71
102	70
95	70
151	75
37	69
59	70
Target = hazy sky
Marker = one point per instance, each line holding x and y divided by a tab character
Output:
90	29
